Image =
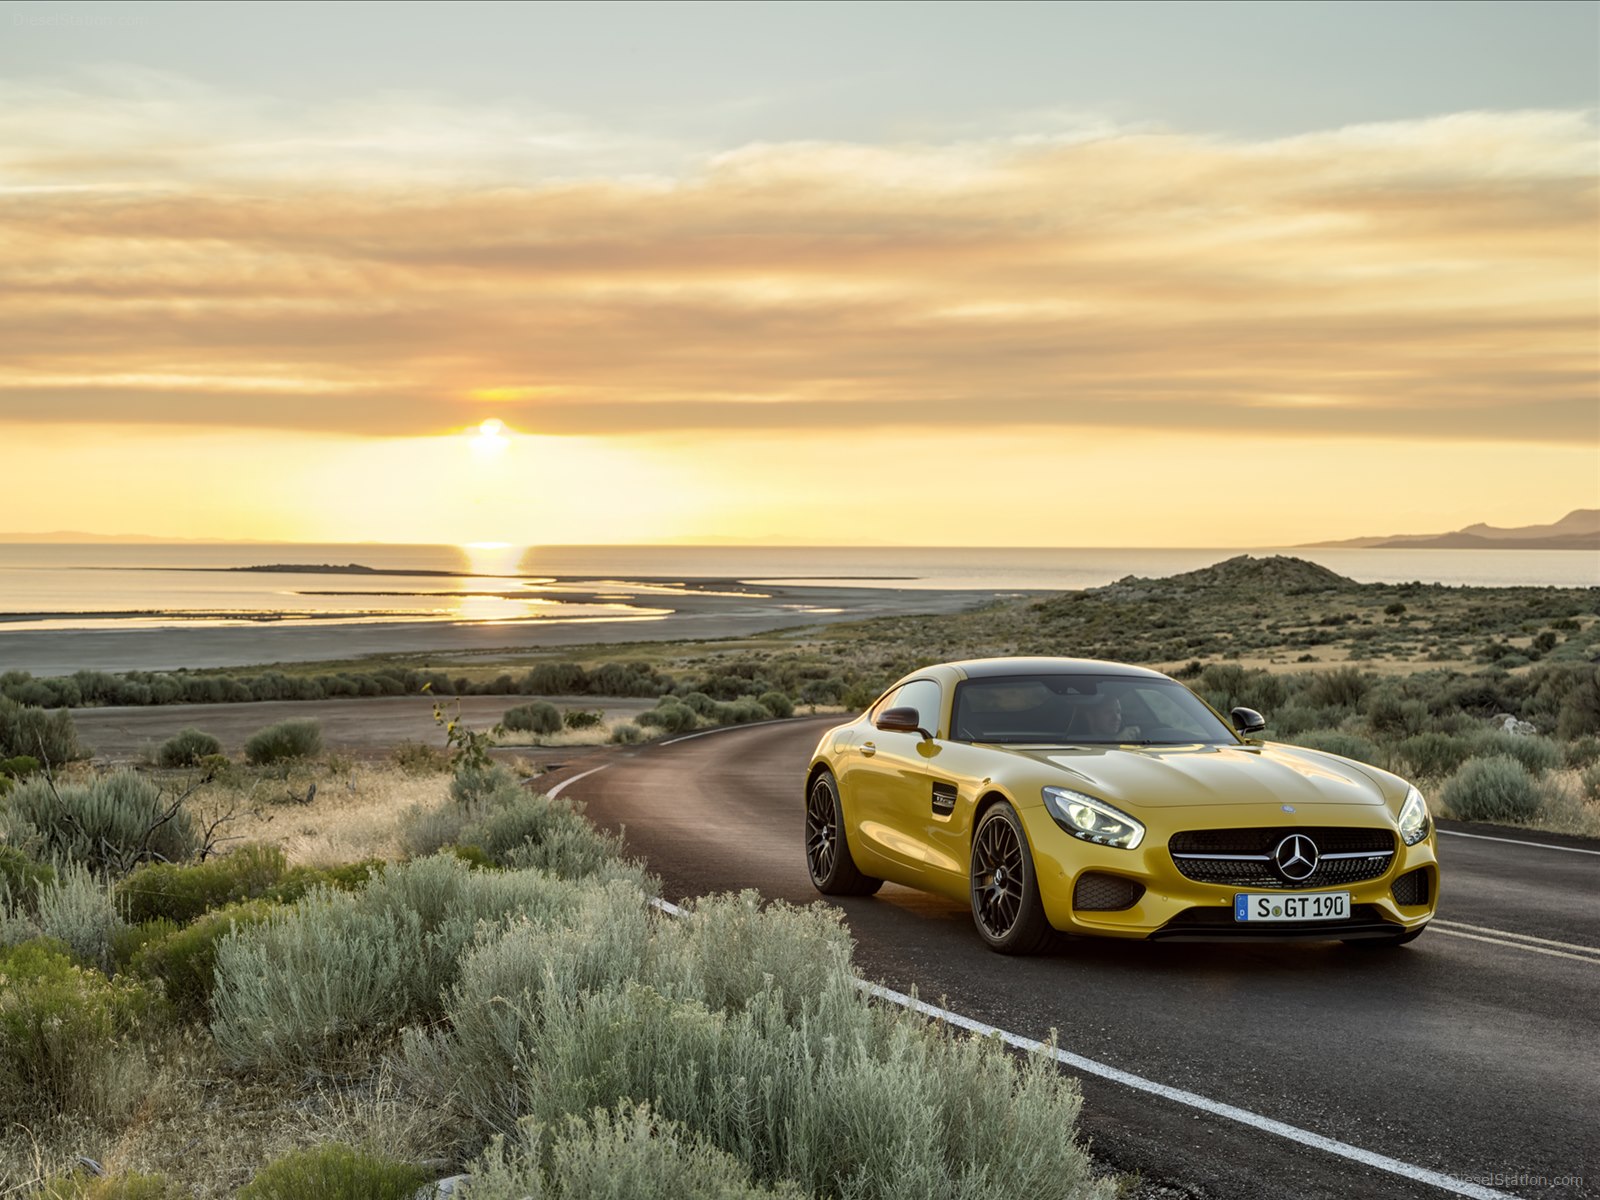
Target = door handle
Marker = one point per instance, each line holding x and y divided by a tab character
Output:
868	749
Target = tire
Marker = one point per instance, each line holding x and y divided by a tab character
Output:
833	869
1387	943
1005	890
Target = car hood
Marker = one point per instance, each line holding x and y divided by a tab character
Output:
1180	776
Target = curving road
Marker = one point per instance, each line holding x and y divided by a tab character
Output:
1474	1053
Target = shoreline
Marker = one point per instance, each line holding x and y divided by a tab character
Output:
696	616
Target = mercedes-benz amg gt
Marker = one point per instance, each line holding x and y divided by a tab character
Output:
1088	797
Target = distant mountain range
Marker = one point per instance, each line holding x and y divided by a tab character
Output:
1578	530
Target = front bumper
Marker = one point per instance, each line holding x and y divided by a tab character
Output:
1173	906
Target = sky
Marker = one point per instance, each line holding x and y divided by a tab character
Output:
940	274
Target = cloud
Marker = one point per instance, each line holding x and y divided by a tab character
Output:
186	258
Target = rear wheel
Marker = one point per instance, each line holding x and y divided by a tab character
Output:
1005	891
833	871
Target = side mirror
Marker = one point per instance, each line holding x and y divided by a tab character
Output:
901	720
1247	720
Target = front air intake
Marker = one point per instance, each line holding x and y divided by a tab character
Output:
1096	892
1411	889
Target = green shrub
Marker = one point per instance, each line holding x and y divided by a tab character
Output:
1435	755
335	1172
1537	754
186	748
618	1155
628	734
1589	780
28	730
19	767
1581	752
552	835
286	741
80	912
128	1186
776	703
184	961
742	712
182	893
1332	741
22	877
66	1036
702	704
669	716
473	787
1343	687
582	718
540	717
1493	789
111	823
418	758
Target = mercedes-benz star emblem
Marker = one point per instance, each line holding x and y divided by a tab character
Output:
1296	857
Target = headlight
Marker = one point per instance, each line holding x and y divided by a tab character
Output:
1414	823
1092	820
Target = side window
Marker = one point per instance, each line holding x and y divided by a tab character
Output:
922	695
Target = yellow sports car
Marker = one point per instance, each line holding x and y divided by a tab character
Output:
1099	798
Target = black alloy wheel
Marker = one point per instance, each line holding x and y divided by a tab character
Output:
1005	891
833	870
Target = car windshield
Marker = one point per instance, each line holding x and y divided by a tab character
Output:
1079	710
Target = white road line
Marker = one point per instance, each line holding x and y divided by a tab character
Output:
1506	933
566	783
1367	1158
1591	959
1484	837
747	725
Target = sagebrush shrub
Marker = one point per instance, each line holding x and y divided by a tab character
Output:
1537	754
777	703
182	893
1333	741
741	712
66	1036
626	733
80	911
540	716
286	741
1435	755
335	1172
1343	687
186	748
621	1154
669	716
419	758
473	787
1493	789
109	824
48	737
22	876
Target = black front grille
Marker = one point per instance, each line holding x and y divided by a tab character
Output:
1330	839
1097	892
1243	857
1411	889
1211	923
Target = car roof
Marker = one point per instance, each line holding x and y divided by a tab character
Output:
992	668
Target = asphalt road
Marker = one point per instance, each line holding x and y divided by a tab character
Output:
1474	1052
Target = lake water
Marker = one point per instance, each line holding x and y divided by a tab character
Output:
104	584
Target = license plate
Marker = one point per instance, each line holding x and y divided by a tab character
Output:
1317	906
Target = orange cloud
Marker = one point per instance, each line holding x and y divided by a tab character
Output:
1425	280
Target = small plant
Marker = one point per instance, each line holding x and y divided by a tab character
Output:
79	911
49	738
287	741
627	734
777	703
187	748
128	1186
669	716
335	1172
419	758
64	1036
469	748
1493	789
184	961
582	718
539	717
22	877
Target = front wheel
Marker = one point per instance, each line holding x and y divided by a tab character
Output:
1005	891
833	871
